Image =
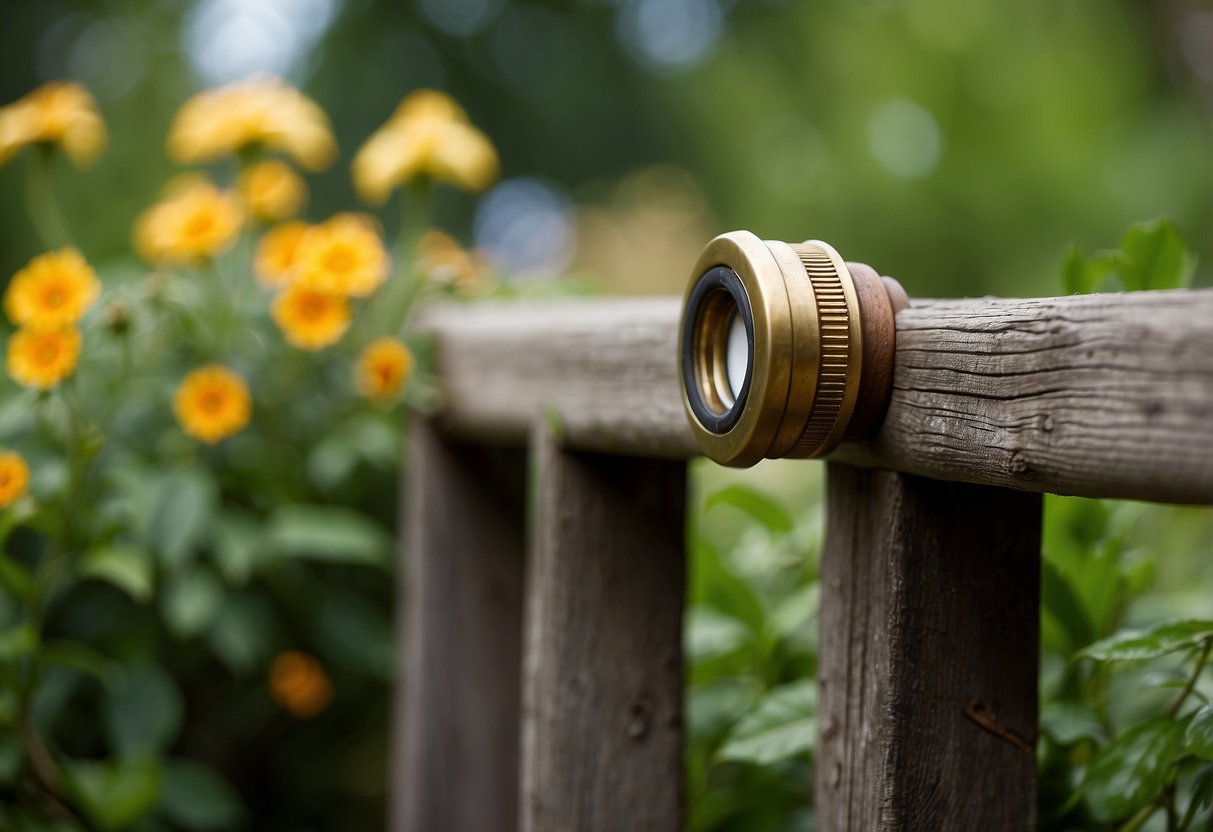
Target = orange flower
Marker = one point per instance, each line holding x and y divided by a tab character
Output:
272	191
429	134
343	255
260	111
274	263
195	221
52	291
62	113
311	319
212	403
43	358
14	477
441	259
299	684
383	369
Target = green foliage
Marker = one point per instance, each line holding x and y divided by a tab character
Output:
1152	255
1132	769
782	726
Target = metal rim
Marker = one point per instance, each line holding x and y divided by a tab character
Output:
749	438
713	300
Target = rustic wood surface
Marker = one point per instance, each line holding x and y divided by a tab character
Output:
459	707
602	729
1096	395
929	638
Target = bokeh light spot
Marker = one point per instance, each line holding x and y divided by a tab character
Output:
526	227
670	34
904	138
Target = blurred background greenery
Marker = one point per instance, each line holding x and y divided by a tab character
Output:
960	145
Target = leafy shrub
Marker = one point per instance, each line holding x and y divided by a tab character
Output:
198	481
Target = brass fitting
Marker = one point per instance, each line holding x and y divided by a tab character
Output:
785	349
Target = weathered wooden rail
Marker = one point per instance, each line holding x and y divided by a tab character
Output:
542	659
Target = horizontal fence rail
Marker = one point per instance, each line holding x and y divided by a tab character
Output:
543	674
1092	395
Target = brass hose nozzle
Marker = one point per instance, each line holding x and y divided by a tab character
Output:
785	349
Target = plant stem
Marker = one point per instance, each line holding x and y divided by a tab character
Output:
1201	658
392	306
40	202
1137	821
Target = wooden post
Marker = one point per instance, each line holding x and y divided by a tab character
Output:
457	713
602	731
929	644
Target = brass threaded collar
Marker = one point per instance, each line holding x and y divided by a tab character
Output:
836	352
806	350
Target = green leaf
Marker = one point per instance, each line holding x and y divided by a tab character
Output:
713	708
17	642
1060	602
239	543
761	507
1157	257
143	711
126	567
781	727
1159	640
114	794
182	514
1202	787
1066	723
715	585
1199	737
194	796
794	614
356	634
12	758
240	633
1077	274
190	602
14	577
1131	770
710	634
76	656
328	533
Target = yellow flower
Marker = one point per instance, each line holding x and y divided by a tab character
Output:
52	291
272	191
299	684
62	113
212	403
429	134
274	263
14	477
260	111
383	369
342	255
43	358
441	259
194	221
311	319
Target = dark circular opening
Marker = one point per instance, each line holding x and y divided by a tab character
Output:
715	304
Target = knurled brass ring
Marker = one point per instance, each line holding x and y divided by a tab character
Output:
816	356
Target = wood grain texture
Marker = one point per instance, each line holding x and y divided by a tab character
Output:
602	733
929	639
456	743
1096	395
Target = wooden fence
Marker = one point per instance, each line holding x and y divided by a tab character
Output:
545	572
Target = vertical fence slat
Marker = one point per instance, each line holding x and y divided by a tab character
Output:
602	733
458	709
928	667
